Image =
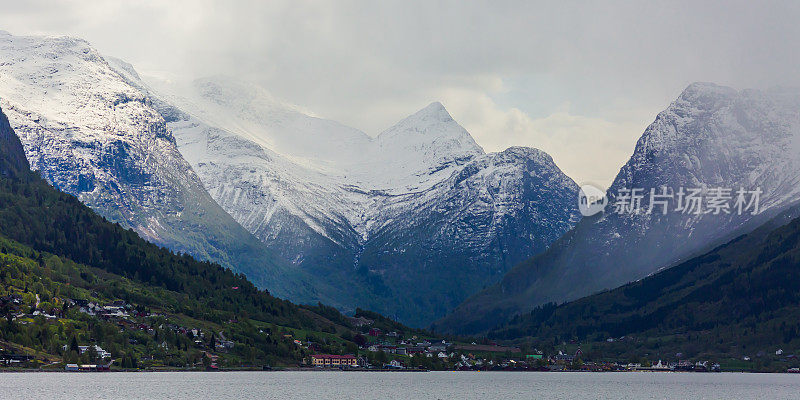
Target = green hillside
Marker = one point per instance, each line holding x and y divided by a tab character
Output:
739	300
38	295
58	259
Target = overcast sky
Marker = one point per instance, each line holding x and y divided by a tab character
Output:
580	81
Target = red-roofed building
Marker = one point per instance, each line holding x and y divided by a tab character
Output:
332	360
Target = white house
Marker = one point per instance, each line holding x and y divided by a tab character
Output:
100	352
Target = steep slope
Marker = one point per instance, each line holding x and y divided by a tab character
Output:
416	153
468	230
710	137
13	161
54	249
740	299
91	134
407	223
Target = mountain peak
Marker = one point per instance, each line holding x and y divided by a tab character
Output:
431	127
435	108
433	119
531	153
434	111
705	92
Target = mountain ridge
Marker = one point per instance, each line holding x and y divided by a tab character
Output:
307	207
348	213
710	136
95	136
64	266
736	300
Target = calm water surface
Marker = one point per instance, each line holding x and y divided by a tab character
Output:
397	385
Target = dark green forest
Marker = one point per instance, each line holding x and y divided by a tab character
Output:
740	300
56	254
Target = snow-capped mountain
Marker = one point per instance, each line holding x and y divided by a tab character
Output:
466	231
92	134
410	221
710	137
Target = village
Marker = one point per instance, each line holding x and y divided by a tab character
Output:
373	348
392	351
135	321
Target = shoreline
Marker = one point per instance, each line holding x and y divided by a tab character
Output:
160	370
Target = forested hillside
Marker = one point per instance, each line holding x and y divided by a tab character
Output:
739	300
62	264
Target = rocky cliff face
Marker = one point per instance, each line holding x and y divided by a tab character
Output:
12	158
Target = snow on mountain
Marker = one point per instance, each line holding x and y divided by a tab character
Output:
93	134
253	113
418	152
408	223
709	137
414	219
316	159
468	230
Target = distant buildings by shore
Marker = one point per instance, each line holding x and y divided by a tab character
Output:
333	360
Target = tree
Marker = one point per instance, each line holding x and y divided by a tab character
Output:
360	340
91	353
381	357
73	345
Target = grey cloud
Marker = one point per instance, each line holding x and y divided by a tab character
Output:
369	64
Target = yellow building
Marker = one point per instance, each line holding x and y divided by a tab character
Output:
332	360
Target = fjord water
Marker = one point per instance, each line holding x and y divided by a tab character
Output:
397	385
